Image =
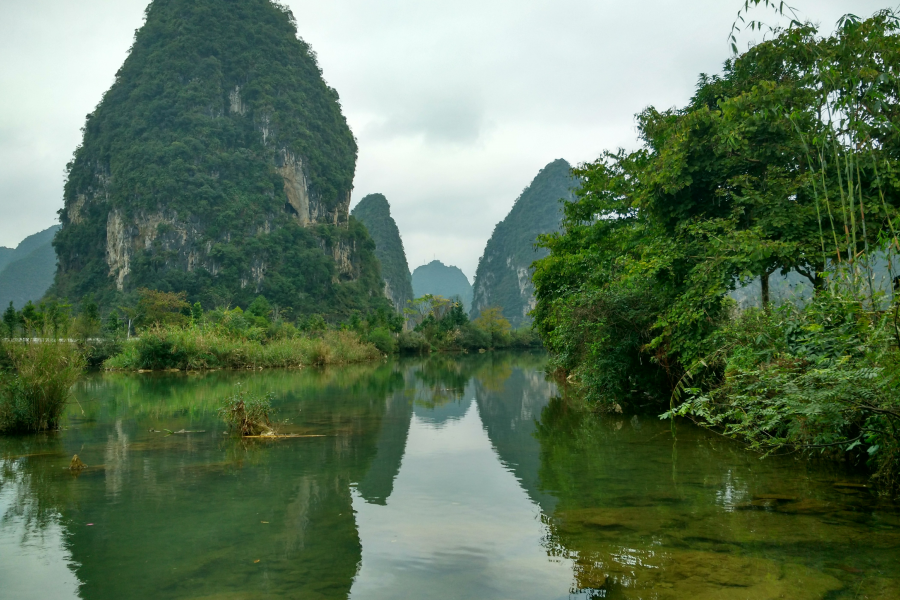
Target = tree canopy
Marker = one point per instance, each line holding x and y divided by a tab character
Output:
787	160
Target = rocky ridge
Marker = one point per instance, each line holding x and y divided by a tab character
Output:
504	271
374	212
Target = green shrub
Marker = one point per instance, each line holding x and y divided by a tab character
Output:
824	378
382	339
474	338
98	350
524	338
413	342
215	347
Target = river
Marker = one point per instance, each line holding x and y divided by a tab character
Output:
442	477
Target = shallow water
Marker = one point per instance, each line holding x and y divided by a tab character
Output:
446	477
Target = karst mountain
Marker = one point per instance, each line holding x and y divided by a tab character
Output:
218	163
504	271
438	279
374	212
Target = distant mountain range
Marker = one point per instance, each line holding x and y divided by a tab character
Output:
439	279
504	272
26	272
503	277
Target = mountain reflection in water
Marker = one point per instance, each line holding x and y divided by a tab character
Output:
442	477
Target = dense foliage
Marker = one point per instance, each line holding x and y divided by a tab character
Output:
176	335
439	324
182	181
788	161
375	213
503	277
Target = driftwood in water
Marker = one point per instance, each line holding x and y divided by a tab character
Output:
279	436
76	466
170	432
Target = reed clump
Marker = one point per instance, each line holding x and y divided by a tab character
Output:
35	387
202	347
247	415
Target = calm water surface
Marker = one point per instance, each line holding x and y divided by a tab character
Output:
447	477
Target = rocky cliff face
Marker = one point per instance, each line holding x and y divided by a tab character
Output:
219	163
504	271
375	213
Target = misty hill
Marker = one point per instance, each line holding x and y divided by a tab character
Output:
218	163
6	255
27	272
504	271
438	279
375	213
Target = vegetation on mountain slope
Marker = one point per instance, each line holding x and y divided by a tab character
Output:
218	164
29	269
375	213
504	271
447	281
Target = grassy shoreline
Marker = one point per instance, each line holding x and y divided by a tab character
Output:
35	383
202	348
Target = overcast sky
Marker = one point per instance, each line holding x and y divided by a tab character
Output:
456	105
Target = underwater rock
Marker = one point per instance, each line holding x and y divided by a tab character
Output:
714	576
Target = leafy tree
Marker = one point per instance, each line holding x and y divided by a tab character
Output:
89	321
492	322
10	320
785	161
196	313
32	319
113	324
162	308
260	307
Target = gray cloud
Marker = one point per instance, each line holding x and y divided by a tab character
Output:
437	118
456	106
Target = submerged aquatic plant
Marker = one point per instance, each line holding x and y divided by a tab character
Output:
246	414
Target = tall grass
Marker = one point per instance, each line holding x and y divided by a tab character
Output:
202	347
34	393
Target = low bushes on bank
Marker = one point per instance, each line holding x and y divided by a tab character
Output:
822	378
